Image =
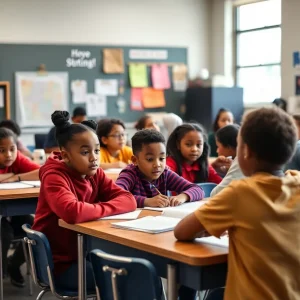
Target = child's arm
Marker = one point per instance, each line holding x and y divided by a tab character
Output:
33	175
187	191
64	203
214	217
126	181
213	176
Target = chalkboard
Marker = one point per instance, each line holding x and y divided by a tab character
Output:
26	58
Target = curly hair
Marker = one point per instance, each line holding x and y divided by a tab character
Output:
270	133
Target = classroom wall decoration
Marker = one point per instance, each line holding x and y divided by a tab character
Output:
84	66
37	96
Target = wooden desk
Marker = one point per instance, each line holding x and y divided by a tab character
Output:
198	266
113	176
15	203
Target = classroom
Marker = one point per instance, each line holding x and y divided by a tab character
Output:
134	135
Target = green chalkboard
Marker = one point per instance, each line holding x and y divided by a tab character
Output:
26	58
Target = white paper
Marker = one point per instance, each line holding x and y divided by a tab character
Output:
149	224
211	240
112	170
35	183
180	85
96	105
79	91
179	210
14	186
1	98
127	216
106	87
148	54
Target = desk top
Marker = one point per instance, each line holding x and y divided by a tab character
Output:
19	193
162	244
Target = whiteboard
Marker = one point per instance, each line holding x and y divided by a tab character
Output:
39	95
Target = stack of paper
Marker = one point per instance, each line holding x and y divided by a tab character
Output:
211	240
127	216
35	183
149	224
179	211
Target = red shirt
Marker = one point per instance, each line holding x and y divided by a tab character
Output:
189	171
21	165
64	194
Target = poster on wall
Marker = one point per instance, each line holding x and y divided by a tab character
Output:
38	96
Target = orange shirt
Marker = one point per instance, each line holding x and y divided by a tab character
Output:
124	155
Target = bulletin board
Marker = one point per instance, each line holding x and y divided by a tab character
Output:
17	58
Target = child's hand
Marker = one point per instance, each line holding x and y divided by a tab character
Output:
222	164
178	200
12	178
157	201
5	177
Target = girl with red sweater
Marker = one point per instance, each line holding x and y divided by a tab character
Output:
75	189
14	166
188	151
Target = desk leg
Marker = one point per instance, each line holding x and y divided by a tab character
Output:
172	286
81	268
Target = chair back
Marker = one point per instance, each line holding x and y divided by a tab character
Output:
207	187
39	139
40	256
124	278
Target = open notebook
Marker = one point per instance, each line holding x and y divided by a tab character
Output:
19	185
223	241
150	224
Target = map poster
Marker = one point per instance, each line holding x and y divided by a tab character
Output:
38	96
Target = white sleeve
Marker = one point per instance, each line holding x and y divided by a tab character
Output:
234	172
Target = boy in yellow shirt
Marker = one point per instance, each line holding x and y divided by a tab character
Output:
261	212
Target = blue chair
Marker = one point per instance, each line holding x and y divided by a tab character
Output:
124	278
42	266
207	187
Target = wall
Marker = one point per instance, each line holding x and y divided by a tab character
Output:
290	42
184	23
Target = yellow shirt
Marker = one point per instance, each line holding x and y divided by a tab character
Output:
124	155
262	216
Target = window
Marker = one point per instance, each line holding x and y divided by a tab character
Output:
258	50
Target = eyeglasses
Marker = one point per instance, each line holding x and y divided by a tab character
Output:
118	136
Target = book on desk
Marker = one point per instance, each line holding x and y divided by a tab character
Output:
20	185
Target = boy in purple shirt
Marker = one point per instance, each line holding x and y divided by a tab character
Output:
148	179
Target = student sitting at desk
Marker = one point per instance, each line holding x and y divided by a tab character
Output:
146	122
148	178
188	154
75	189
114	152
14	166
261	212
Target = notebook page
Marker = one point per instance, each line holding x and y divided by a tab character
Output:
211	240
149	224
190	206
127	216
112	170
14	186
36	183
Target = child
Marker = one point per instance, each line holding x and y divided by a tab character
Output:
74	189
187	151
15	128
148	178
294	163
14	166
171	121
261	212
224	117
146	122
226	140
112	137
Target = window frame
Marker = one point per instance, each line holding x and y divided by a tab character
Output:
237	32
